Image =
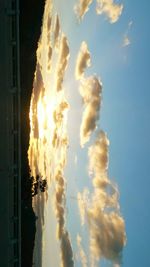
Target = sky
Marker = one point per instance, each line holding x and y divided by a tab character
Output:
90	133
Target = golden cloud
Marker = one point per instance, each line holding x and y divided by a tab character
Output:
90	90
110	9
62	62
82	7
82	254
83	61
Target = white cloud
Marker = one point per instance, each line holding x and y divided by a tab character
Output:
82	254
90	91
82	7
106	225
66	251
110	9
83	61
82	204
107	235
56	31
62	62
126	39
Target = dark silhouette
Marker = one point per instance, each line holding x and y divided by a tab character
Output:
31	12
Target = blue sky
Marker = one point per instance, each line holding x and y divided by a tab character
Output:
125	115
123	69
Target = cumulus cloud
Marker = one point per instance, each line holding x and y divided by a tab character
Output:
62	234
82	7
90	90
107	236
66	251
58	117
98	155
110	9
82	254
59	202
62	62
106	225
83	61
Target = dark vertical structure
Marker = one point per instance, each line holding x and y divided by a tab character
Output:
31	12
19	34
10	154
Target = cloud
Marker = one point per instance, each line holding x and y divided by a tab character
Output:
62	62
83	61
126	40
48	117
106	225
82	203
90	90
38	90
66	251
82	7
82	254
110	9
56	30
50	51
98	155
49	47
76	160
107	234
49	23
62	233
59	201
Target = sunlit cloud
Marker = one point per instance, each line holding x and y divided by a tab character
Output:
107	235
98	155
48	119
66	251
83	61
62	62
126	39
82	7
111	10
82	203
59	202
56	31
106	225
90	90
82	254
